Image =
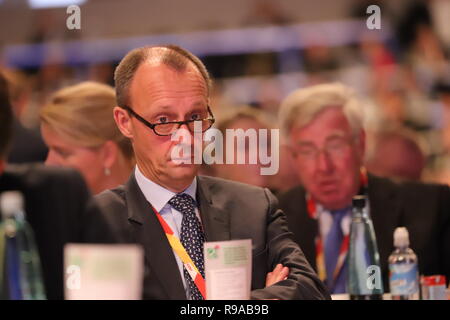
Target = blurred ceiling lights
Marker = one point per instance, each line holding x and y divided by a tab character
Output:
42	4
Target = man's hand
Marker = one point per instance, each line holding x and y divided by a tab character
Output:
278	274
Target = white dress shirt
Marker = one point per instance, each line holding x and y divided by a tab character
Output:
159	197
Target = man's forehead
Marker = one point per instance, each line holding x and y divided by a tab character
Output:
150	69
157	83
150	76
323	127
332	118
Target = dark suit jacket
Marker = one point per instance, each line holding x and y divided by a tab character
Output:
423	209
228	211
26	145
59	210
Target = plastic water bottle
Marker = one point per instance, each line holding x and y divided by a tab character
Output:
364	272
403	271
20	268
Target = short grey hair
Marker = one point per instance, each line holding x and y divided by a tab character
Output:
301	107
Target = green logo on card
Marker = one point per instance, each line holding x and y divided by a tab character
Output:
211	253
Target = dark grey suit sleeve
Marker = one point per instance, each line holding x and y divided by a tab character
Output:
96	228
88	223
302	282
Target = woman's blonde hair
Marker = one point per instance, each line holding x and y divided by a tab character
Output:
83	114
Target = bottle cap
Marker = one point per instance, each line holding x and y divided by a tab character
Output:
401	237
359	201
11	202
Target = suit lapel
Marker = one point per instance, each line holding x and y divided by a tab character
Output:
148	232
385	214
306	227
215	219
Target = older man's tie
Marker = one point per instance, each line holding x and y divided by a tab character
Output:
336	282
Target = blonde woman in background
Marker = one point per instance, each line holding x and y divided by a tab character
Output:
79	129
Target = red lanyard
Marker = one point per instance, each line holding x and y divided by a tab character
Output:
179	249
320	258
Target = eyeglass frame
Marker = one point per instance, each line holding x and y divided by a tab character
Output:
180	123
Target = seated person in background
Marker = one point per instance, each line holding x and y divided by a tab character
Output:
323	128
79	130
57	204
243	118
160	90
248	118
26	142
396	155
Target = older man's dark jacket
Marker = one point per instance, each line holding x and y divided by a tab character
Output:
422	208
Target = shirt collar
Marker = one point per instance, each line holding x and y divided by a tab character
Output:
157	195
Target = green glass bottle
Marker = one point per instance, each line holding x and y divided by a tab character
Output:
20	266
364	272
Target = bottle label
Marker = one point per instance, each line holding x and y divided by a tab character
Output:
403	279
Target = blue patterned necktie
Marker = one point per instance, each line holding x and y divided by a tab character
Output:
191	237
332	249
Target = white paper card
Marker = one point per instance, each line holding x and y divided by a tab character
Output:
228	269
103	272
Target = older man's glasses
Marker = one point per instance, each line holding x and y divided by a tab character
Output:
170	127
334	147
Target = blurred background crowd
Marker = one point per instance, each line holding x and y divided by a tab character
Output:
257	52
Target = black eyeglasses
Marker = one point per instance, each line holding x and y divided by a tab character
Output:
168	128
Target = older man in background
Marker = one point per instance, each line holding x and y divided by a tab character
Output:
323	129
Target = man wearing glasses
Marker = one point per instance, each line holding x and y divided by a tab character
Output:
159	91
322	126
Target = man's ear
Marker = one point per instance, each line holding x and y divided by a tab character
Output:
123	121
